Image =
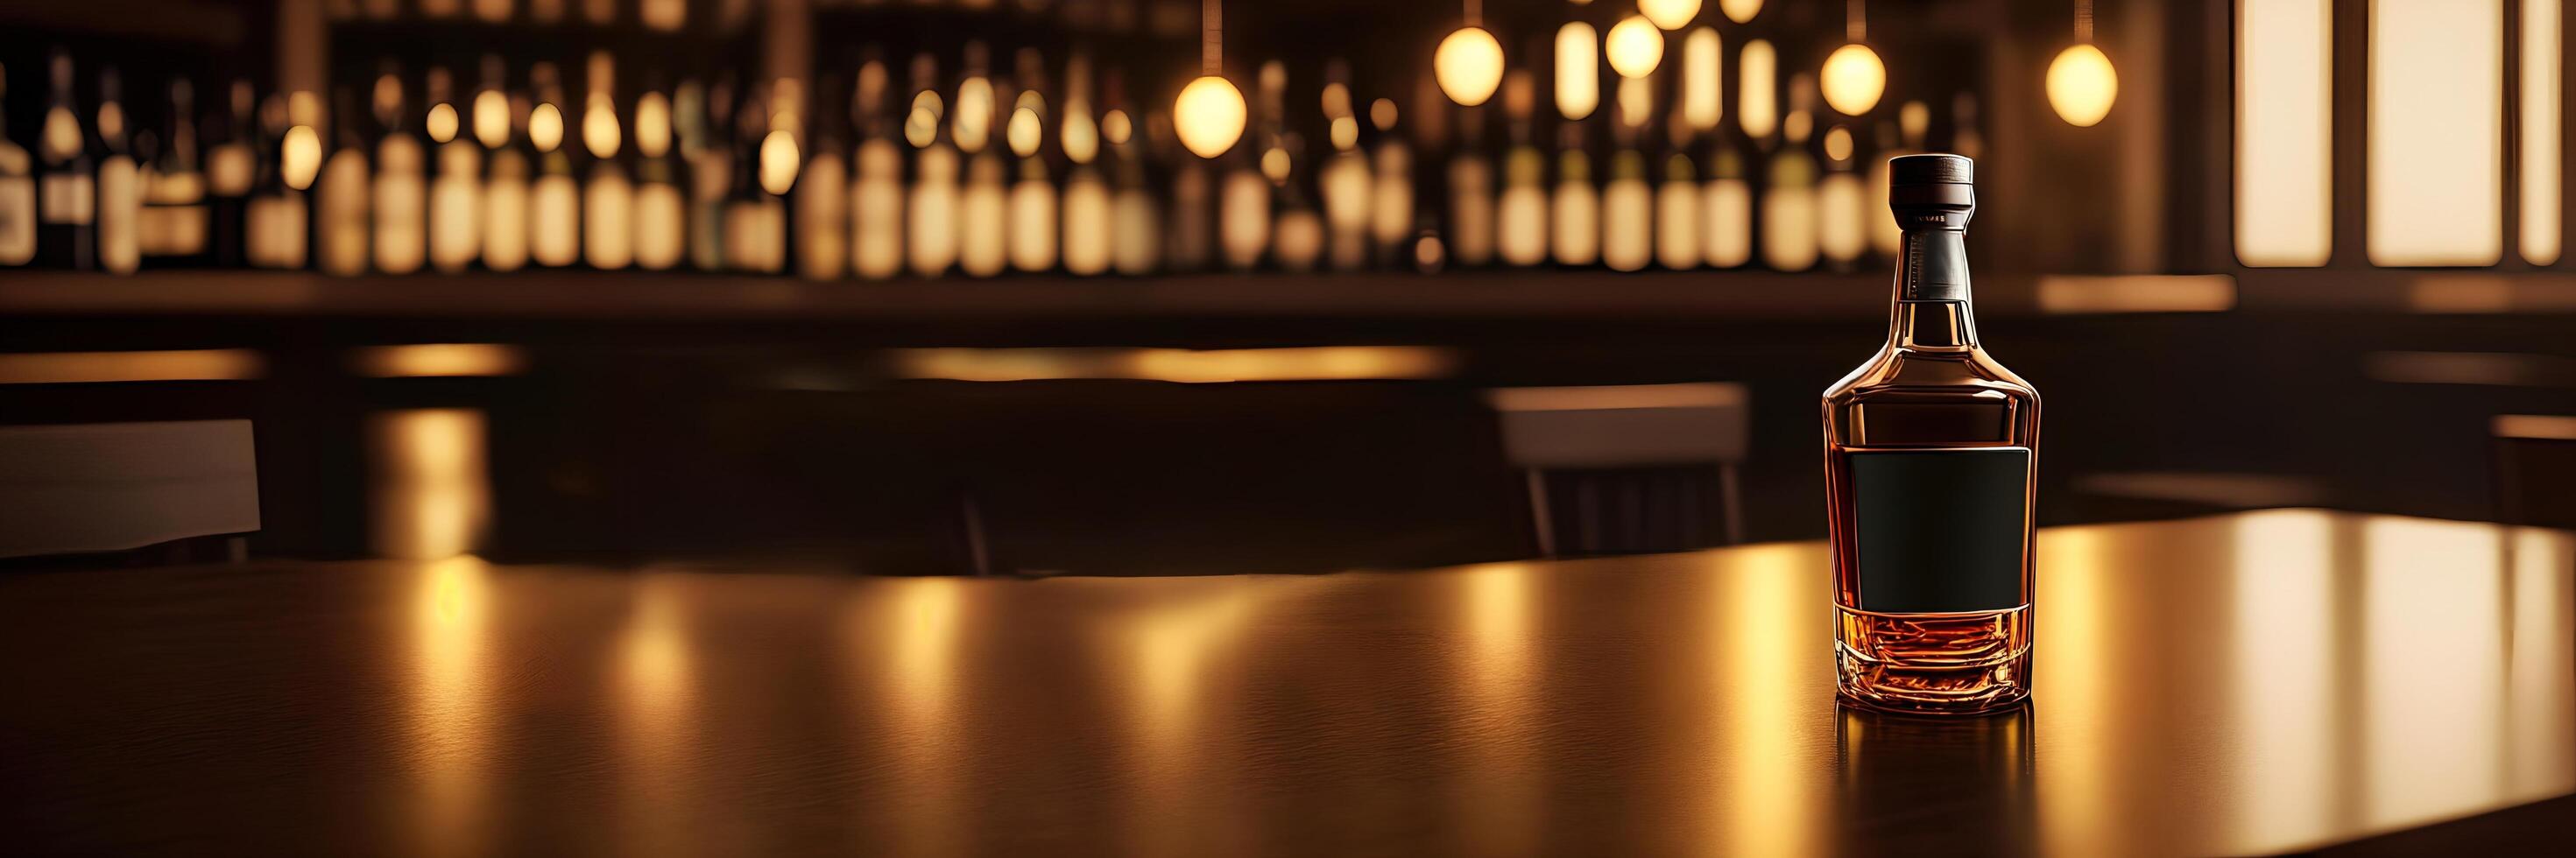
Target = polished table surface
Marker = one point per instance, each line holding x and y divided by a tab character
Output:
2250	683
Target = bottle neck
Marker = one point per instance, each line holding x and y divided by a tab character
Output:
1931	311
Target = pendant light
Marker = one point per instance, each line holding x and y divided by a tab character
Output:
1669	14
2081	83
1209	115
1635	47
1740	11
1853	78
1469	63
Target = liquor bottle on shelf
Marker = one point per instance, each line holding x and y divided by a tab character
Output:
493	11
705	115
1297	231
456	178
1677	205
1929	471
1243	196
1089	218
664	15
823	191
67	185
661	198
1391	210
876	179
17	194
1627	201
1726	210
1965	137
232	165
340	196
1841	207
1191	242
554	197
176	216
1789	189
1032	201
274	219
120	181
500	123
983	200
755	239
1574	210
607	197
1471	192
1905	137
1343	180
1139	233
930	225
401	200
1520	216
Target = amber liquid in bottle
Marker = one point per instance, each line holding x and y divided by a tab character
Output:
1929	469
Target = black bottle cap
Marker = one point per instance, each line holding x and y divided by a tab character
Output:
1909	170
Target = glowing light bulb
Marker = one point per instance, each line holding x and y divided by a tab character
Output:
1468	65
1208	116
545	127
1635	47
1578	70
491	118
1669	14
599	131
1740	11
1854	79
778	161
442	122
2082	85
300	157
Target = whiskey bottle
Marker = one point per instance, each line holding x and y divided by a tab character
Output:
456	180
930	226
1627	201
1842	207
822	192
876	183
1089	220
661	212
983	199
607	198
554	197
1574	211
1726	211
17	196
175	212
500	124
341	196
1929	463
232	164
1391	209
703	116
66	192
1520	218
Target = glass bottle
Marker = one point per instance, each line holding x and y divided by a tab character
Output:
174	191
661	210
17	195
66	190
120	181
402	181
1929	472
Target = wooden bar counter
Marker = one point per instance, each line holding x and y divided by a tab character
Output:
2254	683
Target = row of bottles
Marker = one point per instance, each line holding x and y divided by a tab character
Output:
1029	168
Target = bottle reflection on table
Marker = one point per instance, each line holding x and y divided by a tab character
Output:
1951	780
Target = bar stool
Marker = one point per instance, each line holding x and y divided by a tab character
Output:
160	490
1628	469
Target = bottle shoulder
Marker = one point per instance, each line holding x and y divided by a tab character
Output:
1897	372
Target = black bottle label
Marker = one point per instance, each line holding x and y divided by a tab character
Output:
1940	531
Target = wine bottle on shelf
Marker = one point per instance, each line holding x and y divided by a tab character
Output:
1677	204
1472	212
706	131
1343	180
1190	242
493	11
1297	232
599	13
1930	455
17	193
1966	137
1089	219
661	199
607	197
340	196
1627	200
1789	188
983	202
1574	212
501	125
755	240
176	215
1521	211
274	219
1842	206
1033	231
120	181
1391	209
456	177
401	200
1726	210
931	208
823	191
1139	233
1243	194
664	15
232	166
67	185
876	178
554	197
1903	138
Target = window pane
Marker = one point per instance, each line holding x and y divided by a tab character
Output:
2284	115
2541	87
2436	132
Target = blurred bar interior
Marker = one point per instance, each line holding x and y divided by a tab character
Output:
1174	287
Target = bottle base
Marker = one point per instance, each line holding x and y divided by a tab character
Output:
1933	664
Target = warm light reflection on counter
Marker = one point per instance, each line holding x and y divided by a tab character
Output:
654	689
1776	788
2540	702
2427	674
919	621
430	488
2284	679
1320	363
450	704
2076	667
1499	802
1180	655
